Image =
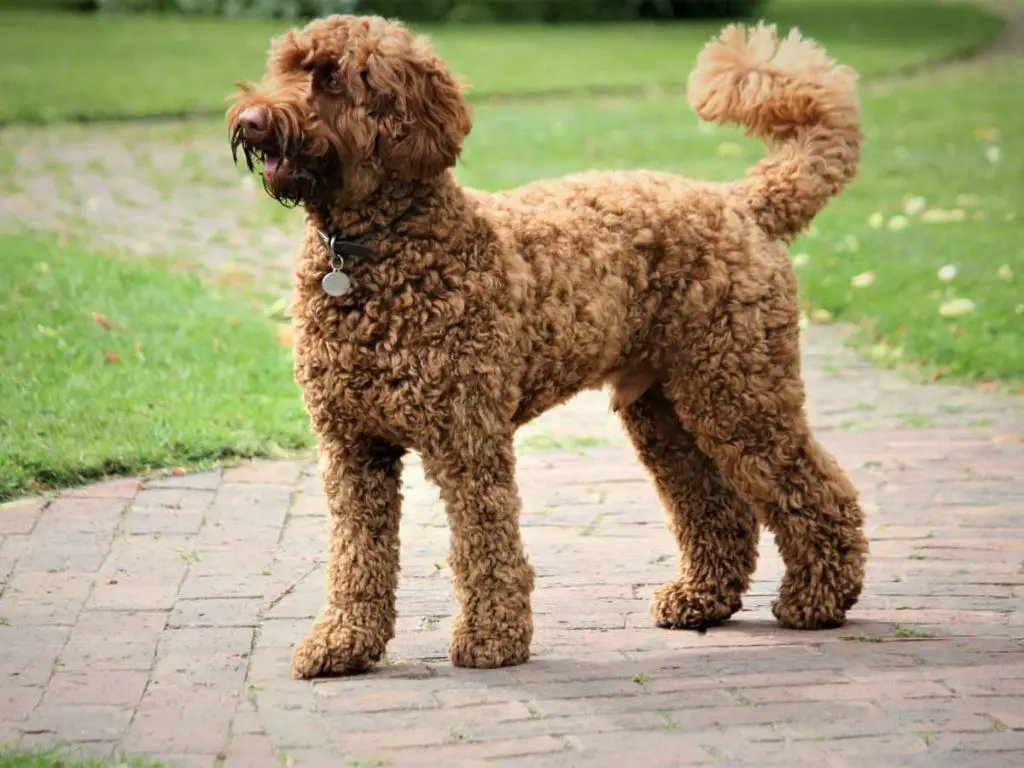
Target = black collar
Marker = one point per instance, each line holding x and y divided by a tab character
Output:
343	249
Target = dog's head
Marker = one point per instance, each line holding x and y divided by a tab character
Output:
348	104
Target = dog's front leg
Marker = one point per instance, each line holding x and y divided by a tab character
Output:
492	577
362	481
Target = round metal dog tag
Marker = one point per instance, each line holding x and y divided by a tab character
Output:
336	283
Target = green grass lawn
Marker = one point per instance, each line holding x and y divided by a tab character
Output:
964	161
112	367
56	65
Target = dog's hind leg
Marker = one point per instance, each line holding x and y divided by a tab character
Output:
475	469
362	481
740	394
715	529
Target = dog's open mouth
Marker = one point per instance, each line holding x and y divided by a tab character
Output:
274	167
281	165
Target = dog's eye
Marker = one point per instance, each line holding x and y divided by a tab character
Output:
329	77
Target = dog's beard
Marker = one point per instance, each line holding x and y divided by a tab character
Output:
288	176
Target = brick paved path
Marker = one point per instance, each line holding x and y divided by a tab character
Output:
158	618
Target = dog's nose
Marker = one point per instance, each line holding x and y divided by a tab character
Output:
253	118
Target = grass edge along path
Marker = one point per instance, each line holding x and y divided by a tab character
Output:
57	758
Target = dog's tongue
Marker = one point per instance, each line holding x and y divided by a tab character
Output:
271	164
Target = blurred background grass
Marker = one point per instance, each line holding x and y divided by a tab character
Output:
117	363
62	65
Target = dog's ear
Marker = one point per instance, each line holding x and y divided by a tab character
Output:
423	115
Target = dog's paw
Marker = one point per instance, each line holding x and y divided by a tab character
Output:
490	648
821	604
677	605
332	650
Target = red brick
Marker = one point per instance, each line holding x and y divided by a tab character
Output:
250	750
10	732
113	489
442	719
372	742
166	500
169	521
41	598
307	505
219	612
885	747
644	702
79	722
983	741
463	697
18	701
97	687
186	720
19	517
247	720
284	473
849	692
295	728
137	597
377	701
200	668
1008	710
487	750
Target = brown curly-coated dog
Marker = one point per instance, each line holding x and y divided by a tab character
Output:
435	318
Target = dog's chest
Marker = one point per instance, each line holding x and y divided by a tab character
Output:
389	384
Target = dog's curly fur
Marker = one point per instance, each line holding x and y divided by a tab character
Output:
478	312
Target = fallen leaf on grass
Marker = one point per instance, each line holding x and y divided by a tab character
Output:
939	216
876	220
896	223
1005	272
278	307
914	205
947	273
994	154
821	316
985	133
801	259
863	280
956	307
112	357
102	321
284	335
728	149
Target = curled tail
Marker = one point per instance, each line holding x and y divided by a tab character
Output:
800	103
